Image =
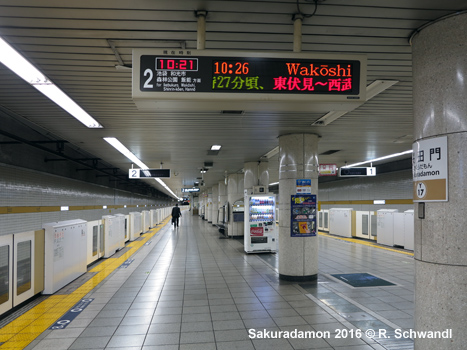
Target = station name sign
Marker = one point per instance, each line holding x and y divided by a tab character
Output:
430	170
183	73
148	173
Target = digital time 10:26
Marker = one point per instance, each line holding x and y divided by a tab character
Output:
231	68
233	75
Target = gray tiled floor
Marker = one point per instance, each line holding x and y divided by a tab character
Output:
191	290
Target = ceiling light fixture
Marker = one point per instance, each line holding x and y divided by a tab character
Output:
127	153
372	90
25	70
216	147
378	159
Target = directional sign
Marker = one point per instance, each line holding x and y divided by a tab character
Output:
353	172
145	173
188	190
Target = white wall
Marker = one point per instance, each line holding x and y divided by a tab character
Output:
23	187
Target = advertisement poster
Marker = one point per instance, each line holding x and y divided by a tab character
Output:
303	215
327	170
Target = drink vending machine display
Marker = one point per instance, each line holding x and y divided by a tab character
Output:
260	223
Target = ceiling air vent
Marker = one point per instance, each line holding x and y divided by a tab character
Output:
232	112
331	151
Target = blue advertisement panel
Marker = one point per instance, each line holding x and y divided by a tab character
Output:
303	215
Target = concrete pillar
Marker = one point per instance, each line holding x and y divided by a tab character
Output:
263	175
209	205
195	204
440	109
234	192
250	172
298	159
256	174
202	204
222	194
215	204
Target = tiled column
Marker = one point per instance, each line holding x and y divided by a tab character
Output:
234	192
250	172
263	175
298	159
209	205
215	204
222	193
440	109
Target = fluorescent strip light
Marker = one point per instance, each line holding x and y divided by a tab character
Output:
166	187
64	101
216	147
64	208
25	70
104	207
378	159
125	151
379	201
274	183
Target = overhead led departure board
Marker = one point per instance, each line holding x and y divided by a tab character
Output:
249	75
204	74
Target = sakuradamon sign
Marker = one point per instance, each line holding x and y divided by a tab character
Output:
430	170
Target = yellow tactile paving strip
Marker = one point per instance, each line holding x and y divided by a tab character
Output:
367	243
23	330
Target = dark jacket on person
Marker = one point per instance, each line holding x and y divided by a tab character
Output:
176	212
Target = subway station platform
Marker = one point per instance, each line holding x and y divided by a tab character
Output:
190	288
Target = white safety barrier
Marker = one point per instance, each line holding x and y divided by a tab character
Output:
341	222
114	234
125	226
135	225
386	226
65	253
146	220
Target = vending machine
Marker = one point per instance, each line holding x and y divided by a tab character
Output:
261	233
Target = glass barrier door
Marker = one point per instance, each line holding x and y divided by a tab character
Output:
23	261
6	276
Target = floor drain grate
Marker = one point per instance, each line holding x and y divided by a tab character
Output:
362	280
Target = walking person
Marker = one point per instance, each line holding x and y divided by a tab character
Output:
176	213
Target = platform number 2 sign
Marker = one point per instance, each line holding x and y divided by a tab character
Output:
134	174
